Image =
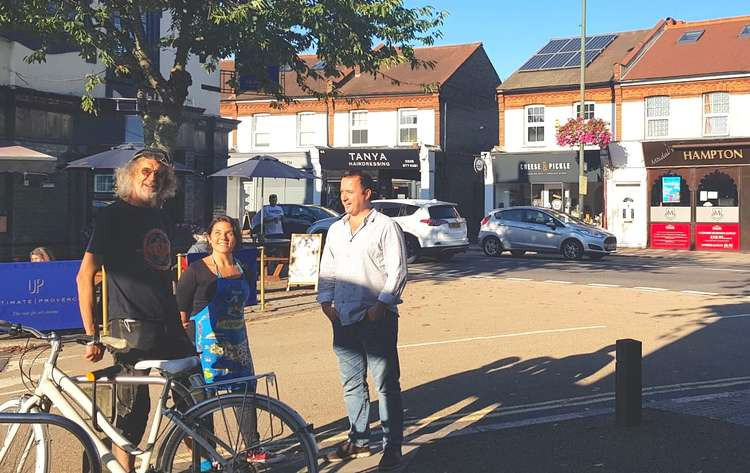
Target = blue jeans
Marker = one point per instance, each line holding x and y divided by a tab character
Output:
371	345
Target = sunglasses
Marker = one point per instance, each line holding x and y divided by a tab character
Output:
154	153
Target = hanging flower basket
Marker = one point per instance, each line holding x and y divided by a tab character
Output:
589	132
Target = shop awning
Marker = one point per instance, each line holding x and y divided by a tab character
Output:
16	158
541	167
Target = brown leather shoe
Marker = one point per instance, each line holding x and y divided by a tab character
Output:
348	451
391	459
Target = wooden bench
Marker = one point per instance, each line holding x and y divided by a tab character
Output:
280	262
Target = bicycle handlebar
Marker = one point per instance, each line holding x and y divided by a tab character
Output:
15	327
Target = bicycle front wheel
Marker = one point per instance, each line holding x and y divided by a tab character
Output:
250	433
23	447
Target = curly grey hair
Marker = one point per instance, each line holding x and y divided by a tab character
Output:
124	180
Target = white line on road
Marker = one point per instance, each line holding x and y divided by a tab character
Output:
727	269
701	293
505	335
728	316
553	281
653	289
597	284
518	279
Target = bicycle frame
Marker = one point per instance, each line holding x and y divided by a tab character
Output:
53	383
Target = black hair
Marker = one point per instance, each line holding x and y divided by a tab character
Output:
365	180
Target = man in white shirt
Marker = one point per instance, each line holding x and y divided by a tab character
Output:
362	276
272	216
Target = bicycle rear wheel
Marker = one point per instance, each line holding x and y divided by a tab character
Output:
281	441
23	447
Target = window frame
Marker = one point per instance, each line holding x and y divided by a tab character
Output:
311	131
539	125
656	118
577	105
708	115
408	126
267	117
107	189
360	128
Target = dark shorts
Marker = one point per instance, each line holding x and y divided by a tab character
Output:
133	401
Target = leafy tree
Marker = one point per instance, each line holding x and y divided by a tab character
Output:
258	33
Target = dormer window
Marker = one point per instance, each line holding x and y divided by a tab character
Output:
690	36
745	33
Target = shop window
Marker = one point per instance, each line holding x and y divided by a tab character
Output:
407	126
657	116
305	129
535	124
359	127
588	110
717	190
716	114
133	129
104	183
670	192
261	130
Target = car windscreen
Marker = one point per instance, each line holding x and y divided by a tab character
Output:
565	218
321	213
443	211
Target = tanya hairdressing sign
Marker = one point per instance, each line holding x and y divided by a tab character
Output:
658	154
369	158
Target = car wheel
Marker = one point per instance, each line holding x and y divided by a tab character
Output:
492	246
517	253
412	249
597	257
572	249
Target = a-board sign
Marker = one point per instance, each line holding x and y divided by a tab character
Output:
304	259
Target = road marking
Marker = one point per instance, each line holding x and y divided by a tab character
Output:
505	335
553	281
728	316
700	293
597	284
727	269
519	279
653	289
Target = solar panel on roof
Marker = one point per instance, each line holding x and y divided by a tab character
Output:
553	46
567	55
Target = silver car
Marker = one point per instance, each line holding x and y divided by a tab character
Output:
521	229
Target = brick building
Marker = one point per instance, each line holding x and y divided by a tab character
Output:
416	130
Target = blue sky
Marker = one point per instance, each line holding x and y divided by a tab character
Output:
512	31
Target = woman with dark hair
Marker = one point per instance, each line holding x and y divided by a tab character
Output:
41	255
211	296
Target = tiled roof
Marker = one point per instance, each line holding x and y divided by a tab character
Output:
719	50
447	60
599	71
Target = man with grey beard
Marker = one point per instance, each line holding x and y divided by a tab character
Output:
131	239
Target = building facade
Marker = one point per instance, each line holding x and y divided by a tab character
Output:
41	110
683	109
416	131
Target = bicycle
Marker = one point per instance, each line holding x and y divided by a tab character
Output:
209	436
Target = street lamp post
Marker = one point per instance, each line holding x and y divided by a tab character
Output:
581	112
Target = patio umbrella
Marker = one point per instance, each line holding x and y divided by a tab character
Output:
114	158
16	158
261	167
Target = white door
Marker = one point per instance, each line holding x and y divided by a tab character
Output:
629	218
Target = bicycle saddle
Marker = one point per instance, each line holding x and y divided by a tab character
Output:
169	366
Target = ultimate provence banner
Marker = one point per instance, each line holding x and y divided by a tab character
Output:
40	295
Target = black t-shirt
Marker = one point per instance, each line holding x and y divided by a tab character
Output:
134	244
197	286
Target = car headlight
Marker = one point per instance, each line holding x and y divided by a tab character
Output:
589	233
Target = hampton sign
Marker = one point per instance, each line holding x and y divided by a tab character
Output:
660	154
369	158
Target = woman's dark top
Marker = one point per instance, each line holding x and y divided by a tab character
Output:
197	286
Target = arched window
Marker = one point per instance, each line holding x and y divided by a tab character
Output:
670	190
717	190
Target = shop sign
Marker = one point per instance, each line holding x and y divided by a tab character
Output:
717	236
536	167
659	154
373	158
717	214
670	214
670	236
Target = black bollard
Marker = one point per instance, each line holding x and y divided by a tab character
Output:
628	383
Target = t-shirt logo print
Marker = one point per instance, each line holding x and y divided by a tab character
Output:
156	249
